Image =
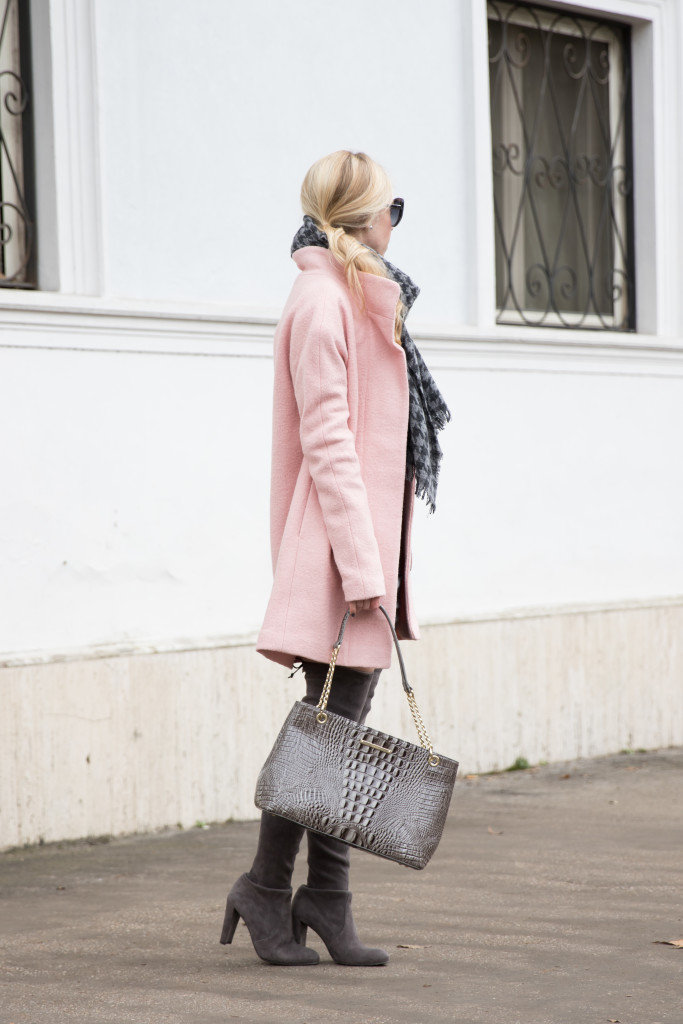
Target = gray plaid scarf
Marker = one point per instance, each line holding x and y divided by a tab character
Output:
428	412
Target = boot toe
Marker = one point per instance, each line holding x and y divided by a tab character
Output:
364	956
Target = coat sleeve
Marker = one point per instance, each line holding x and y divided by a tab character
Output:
318	365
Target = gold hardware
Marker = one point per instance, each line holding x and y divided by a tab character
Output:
376	746
325	695
422	733
419	725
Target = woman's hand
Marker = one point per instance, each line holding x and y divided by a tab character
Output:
368	604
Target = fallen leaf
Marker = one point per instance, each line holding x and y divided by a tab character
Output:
678	943
474	776
613	1020
567	776
492	832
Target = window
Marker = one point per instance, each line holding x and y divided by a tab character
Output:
16	226
561	124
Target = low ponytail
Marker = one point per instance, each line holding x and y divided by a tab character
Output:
342	192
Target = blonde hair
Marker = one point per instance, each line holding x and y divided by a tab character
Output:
343	192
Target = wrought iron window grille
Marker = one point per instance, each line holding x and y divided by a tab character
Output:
17	248
560	91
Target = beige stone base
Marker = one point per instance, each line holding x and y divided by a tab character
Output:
106	745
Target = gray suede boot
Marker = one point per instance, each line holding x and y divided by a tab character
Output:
325	903
267	915
328	912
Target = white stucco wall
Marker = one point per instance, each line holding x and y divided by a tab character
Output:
230	103
137	507
136	499
137	504
560	485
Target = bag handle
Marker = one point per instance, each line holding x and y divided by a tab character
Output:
410	695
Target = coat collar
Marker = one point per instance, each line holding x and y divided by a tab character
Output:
381	294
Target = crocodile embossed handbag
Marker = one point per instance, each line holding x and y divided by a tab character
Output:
369	789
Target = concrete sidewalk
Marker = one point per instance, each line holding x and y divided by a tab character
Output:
542	905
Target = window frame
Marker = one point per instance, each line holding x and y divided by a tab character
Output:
655	35
66	184
574	24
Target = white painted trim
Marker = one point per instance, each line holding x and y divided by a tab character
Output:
95	652
481	222
540	337
667	114
28	302
491	356
147	647
123	328
76	146
619	10
643	88
116	332
36	310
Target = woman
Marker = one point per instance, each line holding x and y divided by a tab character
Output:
350	387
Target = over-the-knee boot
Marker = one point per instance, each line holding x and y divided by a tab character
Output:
263	896
278	844
324	904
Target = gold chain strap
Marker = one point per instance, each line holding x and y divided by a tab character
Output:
422	733
325	695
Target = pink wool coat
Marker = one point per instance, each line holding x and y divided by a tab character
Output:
340	418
